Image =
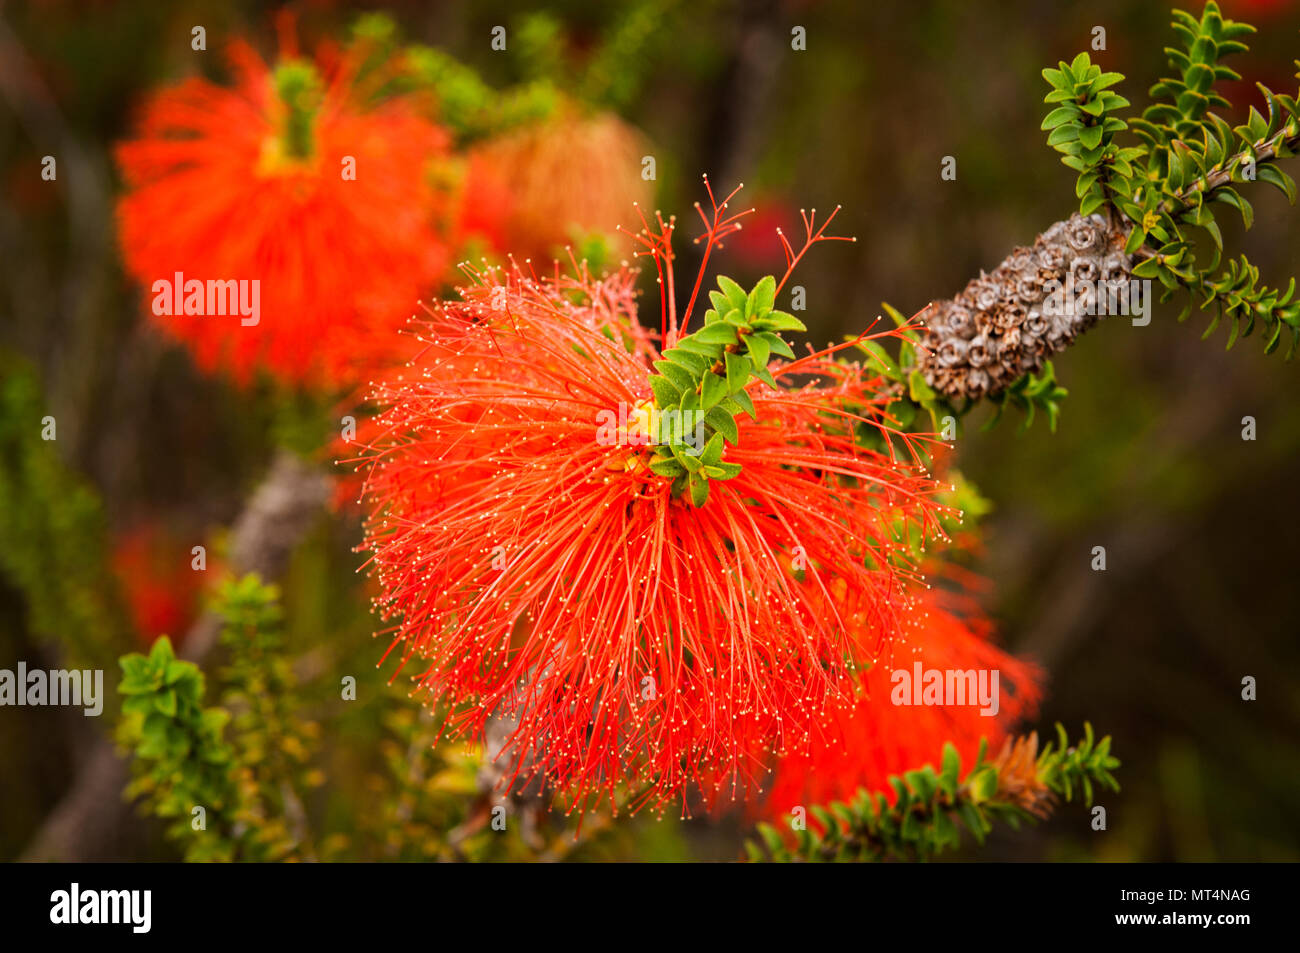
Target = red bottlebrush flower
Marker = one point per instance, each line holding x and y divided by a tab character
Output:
286	179
544	574
527	192
880	737
162	590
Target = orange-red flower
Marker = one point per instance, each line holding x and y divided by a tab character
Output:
162	589
546	576
287	179
529	191
883	736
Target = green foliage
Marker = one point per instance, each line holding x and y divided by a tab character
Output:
1031	394
1066	770
609	69
273	742
1189	159
538	46
249	764
469	107
609	74
299	87
707	373
932	808
432	804
53	547
616	71
967	507
181	760
1243	301
592	247
910	391
1185	100
1082	128
243	763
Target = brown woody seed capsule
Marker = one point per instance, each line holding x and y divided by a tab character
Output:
1001	325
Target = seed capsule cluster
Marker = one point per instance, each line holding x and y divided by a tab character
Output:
1002	325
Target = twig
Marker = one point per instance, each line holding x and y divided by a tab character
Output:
1221	177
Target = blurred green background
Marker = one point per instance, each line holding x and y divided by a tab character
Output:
1199	525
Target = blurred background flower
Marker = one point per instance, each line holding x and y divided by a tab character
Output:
881	737
161	586
291	180
537	189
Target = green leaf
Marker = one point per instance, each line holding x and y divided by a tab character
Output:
1093	201
165	702
904	413
723	422
680	376
667	394
1106	80
1064	134
688	458
780	321
746	403
918	389
715	388
983	784
699	488
668	467
1274	176
738	371
712	454
1056	78
177	670
776	345
763	298
720	333
735	295
695	346
1061	114
876	351
1149	268
141	704
1212	227
1229	196
694	364
951	772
